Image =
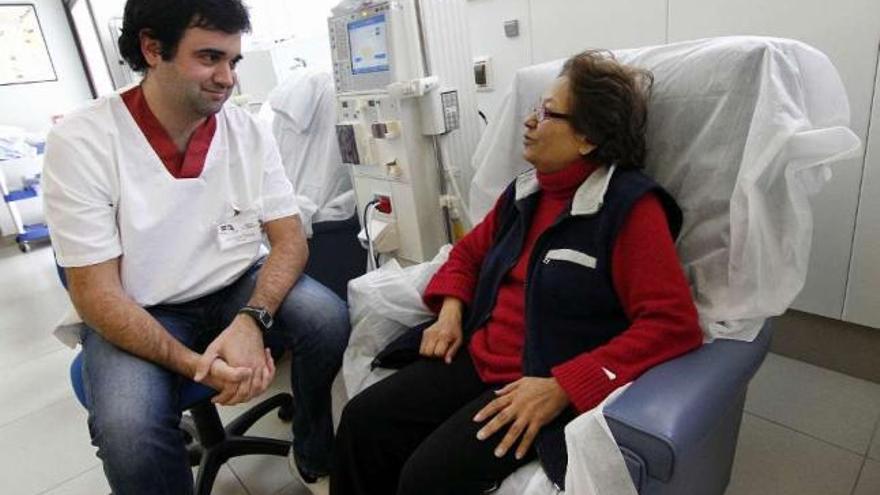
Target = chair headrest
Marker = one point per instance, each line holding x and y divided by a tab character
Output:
740	131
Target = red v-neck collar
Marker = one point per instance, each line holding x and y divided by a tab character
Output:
181	165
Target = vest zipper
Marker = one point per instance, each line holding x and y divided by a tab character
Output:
539	242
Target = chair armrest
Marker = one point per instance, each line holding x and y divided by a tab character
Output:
674	406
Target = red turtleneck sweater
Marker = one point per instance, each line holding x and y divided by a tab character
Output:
647	277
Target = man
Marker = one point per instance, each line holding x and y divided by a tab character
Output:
158	199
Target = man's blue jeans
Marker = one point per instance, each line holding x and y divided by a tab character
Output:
133	408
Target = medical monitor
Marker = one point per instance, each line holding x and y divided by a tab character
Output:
363	49
369	45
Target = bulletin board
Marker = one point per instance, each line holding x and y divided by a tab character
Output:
24	57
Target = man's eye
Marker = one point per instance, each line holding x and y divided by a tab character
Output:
210	57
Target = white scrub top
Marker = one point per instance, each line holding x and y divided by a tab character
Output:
107	194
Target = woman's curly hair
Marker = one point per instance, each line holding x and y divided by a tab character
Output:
609	105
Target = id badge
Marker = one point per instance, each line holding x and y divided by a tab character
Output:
242	228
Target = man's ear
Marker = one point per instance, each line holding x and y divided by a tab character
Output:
151	48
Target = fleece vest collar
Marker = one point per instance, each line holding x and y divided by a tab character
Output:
587	200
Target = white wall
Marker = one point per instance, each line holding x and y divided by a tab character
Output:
303	23
862	295
486	25
553	29
32	105
848	33
561	28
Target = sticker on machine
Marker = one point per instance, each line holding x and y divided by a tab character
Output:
242	228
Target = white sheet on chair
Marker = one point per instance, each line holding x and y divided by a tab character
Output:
302	113
741	130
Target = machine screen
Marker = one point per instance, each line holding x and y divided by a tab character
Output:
369	47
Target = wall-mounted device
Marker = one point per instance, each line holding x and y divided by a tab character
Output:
511	28
483	76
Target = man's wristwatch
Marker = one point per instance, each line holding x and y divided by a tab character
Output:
260	315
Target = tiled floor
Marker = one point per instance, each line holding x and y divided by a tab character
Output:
806	431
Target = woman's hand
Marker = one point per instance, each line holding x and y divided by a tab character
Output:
528	403
444	337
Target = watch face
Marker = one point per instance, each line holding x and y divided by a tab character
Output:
265	319
262	317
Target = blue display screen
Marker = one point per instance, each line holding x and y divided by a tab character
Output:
369	45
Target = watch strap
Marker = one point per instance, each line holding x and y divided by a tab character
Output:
260	315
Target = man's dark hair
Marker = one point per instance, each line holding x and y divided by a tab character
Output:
609	105
166	21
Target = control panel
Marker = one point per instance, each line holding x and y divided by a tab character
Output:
363	54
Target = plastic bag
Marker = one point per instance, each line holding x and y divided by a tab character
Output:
383	304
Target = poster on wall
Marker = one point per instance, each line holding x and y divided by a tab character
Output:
24	57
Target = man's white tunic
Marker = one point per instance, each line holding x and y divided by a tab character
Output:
108	194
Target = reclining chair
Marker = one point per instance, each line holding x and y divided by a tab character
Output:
740	131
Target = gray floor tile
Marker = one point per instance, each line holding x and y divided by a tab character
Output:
36	265
20	347
33	301
869	480
773	460
92	482
825	404
27	273
36	312
260	474
226	483
33	385
45	448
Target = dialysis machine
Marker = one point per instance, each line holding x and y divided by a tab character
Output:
406	119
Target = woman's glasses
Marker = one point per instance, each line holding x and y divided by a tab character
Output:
542	114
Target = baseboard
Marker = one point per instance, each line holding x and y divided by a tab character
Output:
833	344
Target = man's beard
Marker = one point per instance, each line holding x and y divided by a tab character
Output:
204	106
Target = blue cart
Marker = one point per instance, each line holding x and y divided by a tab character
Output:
26	234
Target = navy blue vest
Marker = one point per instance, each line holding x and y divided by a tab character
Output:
571	306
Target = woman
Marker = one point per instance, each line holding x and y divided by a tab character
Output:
569	288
